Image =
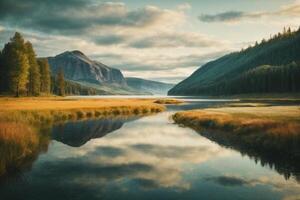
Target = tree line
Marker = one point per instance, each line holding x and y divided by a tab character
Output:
23	74
265	79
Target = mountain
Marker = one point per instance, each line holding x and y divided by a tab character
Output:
80	69
220	76
153	87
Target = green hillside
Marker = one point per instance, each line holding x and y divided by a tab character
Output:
282	49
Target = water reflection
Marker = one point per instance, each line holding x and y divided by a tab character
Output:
279	152
20	146
146	158
76	134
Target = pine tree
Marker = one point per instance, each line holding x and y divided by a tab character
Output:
289	31
61	83
45	76
284	31
15	65
18	75
34	72
2	74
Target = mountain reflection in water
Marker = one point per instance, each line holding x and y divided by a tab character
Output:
78	133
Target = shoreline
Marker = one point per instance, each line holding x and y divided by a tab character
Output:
244	119
37	110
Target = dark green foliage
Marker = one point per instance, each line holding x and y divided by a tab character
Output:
264	79
72	88
213	77
60	79
33	88
2	75
45	76
15	66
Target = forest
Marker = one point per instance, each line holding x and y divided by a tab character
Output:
269	66
264	79
23	74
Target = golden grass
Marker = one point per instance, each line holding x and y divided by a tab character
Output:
17	143
55	109
273	120
248	104
168	101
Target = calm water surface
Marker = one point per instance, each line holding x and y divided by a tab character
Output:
144	158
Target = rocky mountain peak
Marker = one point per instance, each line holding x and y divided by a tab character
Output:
78	67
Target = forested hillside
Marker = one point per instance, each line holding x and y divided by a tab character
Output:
265	79
223	76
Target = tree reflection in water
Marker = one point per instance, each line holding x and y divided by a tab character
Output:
279	152
20	146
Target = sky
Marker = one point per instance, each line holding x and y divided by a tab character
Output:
163	40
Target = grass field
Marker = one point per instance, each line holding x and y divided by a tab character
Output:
49	109
270	119
168	101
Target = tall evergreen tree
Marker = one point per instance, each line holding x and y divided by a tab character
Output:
34	83
61	82
15	65
19	73
2	88
45	75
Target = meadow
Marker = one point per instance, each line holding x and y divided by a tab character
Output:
243	118
56	109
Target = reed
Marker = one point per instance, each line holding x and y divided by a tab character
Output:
18	143
168	101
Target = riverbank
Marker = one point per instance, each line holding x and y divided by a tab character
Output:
269	134
55	109
244	119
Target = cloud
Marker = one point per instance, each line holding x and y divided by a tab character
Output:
139	41
239	181
167	40
161	66
229	180
291	10
109	39
222	17
142	62
78	16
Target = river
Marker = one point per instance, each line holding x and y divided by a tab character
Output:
145	158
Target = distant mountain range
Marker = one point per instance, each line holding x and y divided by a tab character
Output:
271	66
153	87
79	69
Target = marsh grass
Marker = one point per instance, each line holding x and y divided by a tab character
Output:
54	110
269	135
280	120
168	101
18	144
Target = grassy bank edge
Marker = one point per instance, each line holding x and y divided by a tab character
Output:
30	112
229	120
